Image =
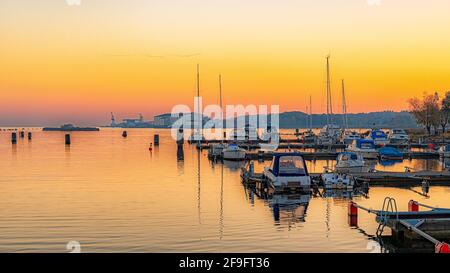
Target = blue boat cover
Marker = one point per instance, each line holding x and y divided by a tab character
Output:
376	134
365	142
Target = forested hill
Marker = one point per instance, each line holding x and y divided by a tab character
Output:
362	120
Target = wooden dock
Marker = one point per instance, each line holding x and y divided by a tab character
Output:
400	179
329	155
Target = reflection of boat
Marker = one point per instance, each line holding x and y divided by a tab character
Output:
288	171
398	136
234	165
349	162
364	147
69	128
337	181
379	137
294	205
390	153
234	152
388	163
444	151
340	193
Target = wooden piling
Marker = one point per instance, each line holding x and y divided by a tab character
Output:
156	139
67	138
14	138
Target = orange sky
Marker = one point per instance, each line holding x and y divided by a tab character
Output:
62	63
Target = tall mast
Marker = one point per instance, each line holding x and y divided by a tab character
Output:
221	106
344	106
220	94
329	100
198	87
310	112
198	98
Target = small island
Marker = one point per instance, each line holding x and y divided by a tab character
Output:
70	128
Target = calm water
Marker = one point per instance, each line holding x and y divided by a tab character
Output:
114	195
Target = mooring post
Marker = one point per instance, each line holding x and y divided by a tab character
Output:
252	168
156	139
67	138
14	138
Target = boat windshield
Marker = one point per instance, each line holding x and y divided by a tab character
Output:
348	157
292	165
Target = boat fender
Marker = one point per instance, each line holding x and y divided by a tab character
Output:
442	248
413	206
352	209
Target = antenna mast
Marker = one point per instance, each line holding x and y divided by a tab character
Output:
344	106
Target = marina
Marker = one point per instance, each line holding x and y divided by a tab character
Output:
121	207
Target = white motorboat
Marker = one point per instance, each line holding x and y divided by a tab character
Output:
288	171
444	151
234	152
349	136
337	181
364	147
398	136
329	134
349	162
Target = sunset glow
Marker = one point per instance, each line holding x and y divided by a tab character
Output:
62	63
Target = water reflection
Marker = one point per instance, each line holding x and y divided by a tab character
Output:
287	208
234	165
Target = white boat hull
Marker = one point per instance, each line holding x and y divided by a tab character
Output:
282	183
337	181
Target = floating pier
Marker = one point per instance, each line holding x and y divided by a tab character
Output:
402	179
432	225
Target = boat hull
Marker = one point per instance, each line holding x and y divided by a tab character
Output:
293	183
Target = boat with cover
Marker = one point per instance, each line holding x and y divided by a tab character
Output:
364	147
288	171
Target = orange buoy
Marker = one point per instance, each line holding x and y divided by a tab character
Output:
352	209
442	248
413	206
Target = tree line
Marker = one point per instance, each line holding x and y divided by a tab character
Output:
431	111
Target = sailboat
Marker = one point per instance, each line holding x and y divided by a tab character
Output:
197	135
309	135
216	149
348	136
330	133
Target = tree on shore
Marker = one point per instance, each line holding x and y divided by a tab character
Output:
426	111
445	112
